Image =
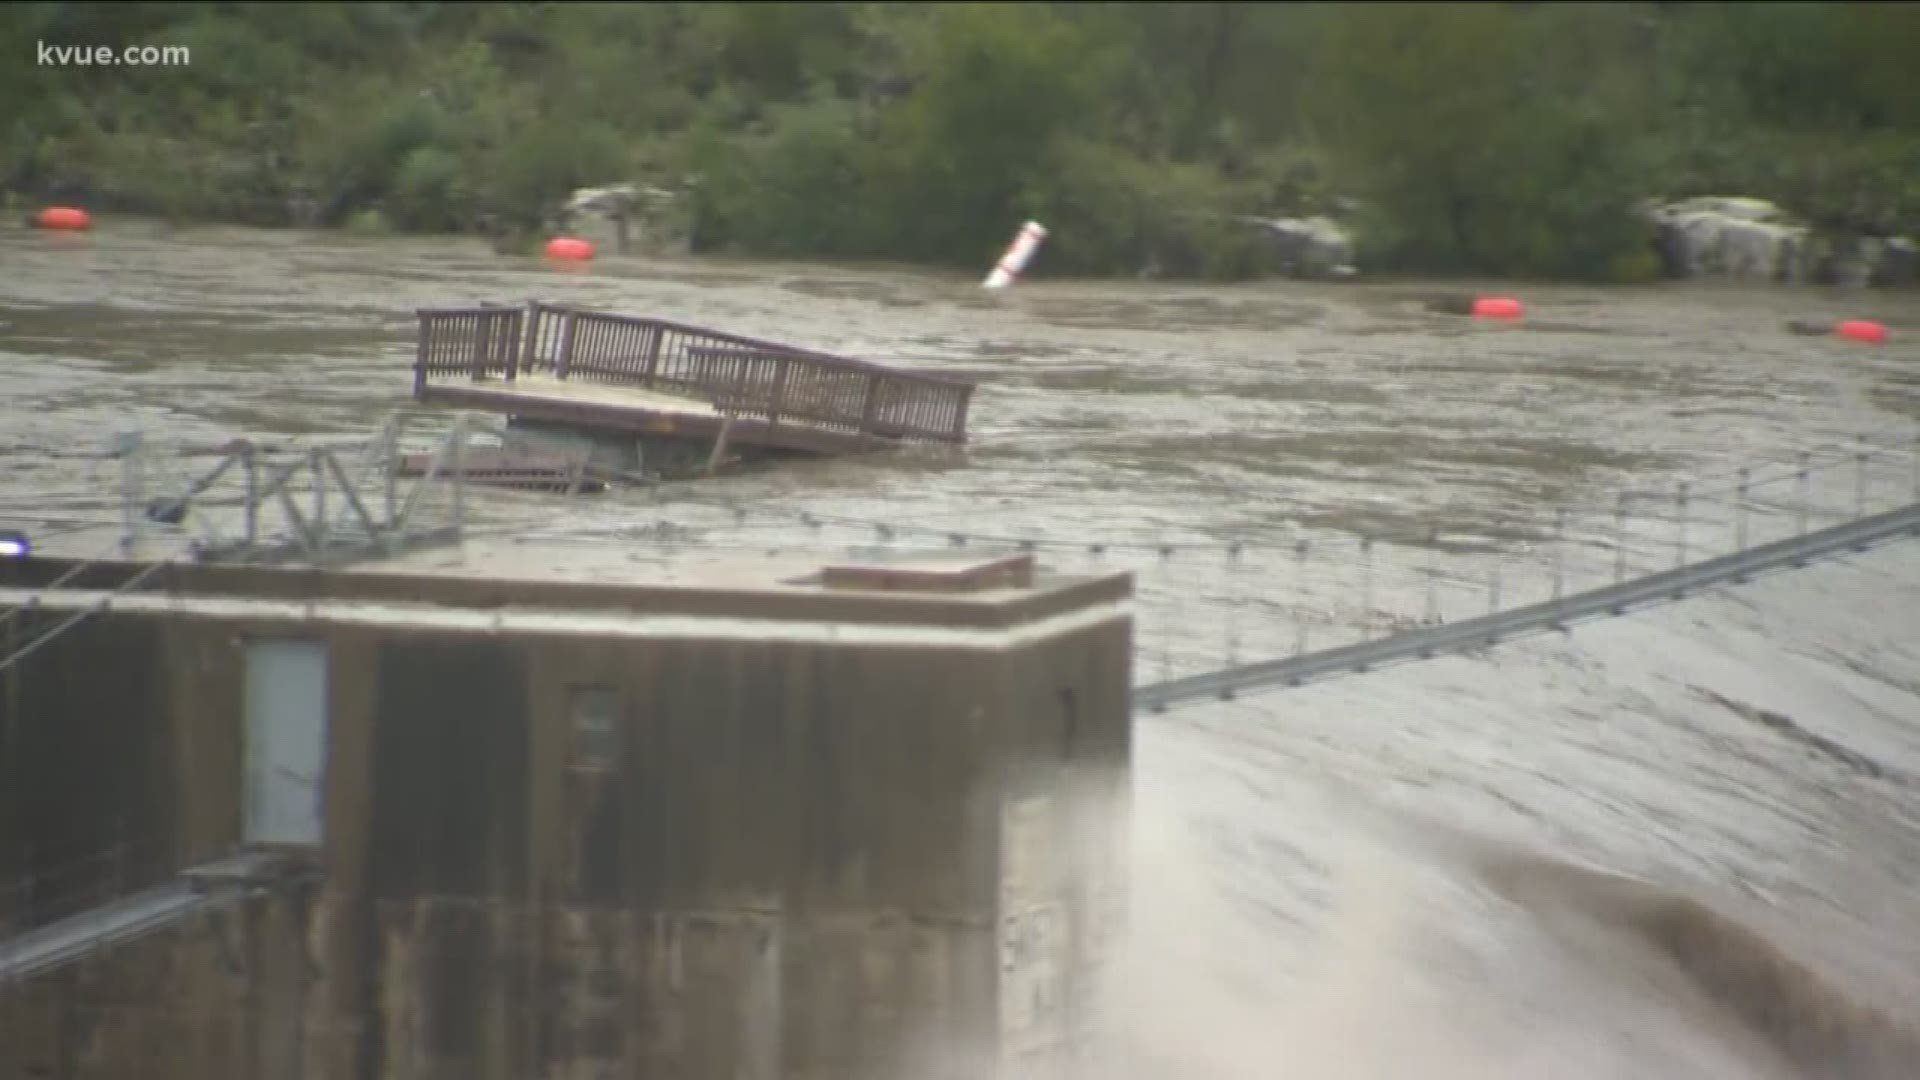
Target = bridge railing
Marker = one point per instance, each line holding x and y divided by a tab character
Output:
1315	589
479	343
740	376
1557	613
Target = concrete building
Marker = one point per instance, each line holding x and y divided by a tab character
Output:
770	820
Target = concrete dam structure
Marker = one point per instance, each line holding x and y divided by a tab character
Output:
774	819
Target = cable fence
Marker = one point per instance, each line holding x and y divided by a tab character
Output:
1202	600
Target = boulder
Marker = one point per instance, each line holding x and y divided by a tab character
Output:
1896	263
1314	247
1738	238
614	216
602	215
614	200
1746	239
1858	262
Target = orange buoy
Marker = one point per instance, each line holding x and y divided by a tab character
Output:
569	249
1496	307
65	218
1872	333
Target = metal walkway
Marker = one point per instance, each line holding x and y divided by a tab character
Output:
204	888
1485	630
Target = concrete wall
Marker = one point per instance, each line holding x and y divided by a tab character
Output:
793	858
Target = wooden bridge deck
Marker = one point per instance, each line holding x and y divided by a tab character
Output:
650	377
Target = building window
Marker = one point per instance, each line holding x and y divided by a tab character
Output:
595	711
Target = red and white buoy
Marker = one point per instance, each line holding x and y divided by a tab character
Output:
1019	253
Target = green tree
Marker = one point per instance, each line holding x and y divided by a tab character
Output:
1487	137
1456	124
995	85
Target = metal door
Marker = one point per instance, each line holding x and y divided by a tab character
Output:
286	740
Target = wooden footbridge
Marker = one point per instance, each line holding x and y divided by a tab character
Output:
628	375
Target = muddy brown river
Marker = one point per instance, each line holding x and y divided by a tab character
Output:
1680	843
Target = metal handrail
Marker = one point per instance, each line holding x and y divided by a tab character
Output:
751	376
1485	630
756	344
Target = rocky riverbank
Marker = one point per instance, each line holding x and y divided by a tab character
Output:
1746	239
1733	238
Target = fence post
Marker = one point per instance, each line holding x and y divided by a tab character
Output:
129	445
423	349
482	345
519	348
960	414
1740	512
1366	584
1300	635
1167	634
392	449
1234	599
319	502
1860	483
1620	538
1680	524
1804	497
529	341
1559	550
250	461
1433	577
563	355
871	406
779	394
741	366
656	339
459	448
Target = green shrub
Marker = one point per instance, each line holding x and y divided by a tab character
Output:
796	186
1109	212
368	222
540	164
1478	137
1637	267
430	191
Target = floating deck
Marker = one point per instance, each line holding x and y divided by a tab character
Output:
647	377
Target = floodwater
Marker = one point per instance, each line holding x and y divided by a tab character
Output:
1685	842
